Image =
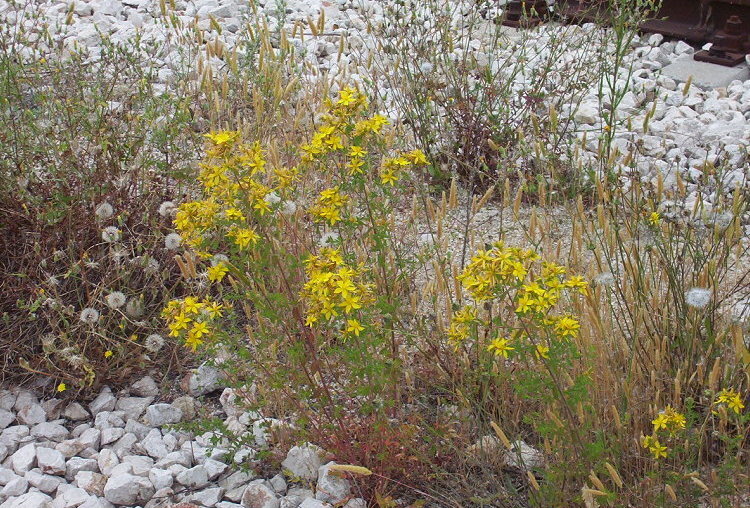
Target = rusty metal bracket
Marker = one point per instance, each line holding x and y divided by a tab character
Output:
725	23
728	46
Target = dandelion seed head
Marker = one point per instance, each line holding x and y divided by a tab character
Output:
288	207
104	211
49	339
698	298
115	299
172	241
118	254
272	198
89	316
167	209
134	308
154	343
91	265
604	279
110	234
52	280
329	238
152	266
219	258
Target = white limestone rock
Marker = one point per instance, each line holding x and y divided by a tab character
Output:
50	461
105	401
75	465
128	490
24	458
160	478
50	430
331	487
523	456
162	414
93	483
303	462
194	478
259	496
145	387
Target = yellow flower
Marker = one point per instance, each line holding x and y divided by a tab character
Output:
193	342
262	206
388	176
350	303
670	420
525	304
417	157
354	327
199	330
357	151
216	273
180	321
214	310
355	166
61	387
108	353
234	214
732	399
500	347
222	138
654	218
654	446
542	351
245	237
567	326
191	305
347	96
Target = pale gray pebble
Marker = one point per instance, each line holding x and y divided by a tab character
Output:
145	387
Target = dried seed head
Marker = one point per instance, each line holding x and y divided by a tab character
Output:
89	316
104	211
115	299
110	234
698	298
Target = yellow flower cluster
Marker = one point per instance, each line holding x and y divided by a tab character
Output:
506	272
732	399
189	319
193	220
392	169
337	123
652	444
490	270
461	325
669	420
329	205
333	288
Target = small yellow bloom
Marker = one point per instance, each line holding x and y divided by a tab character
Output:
500	347
108	353
654	218
357	151
567	327
193	342
388	177
199	330
354	327
732	399
245	237
214	310
61	387
216	273
542	351
654	446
